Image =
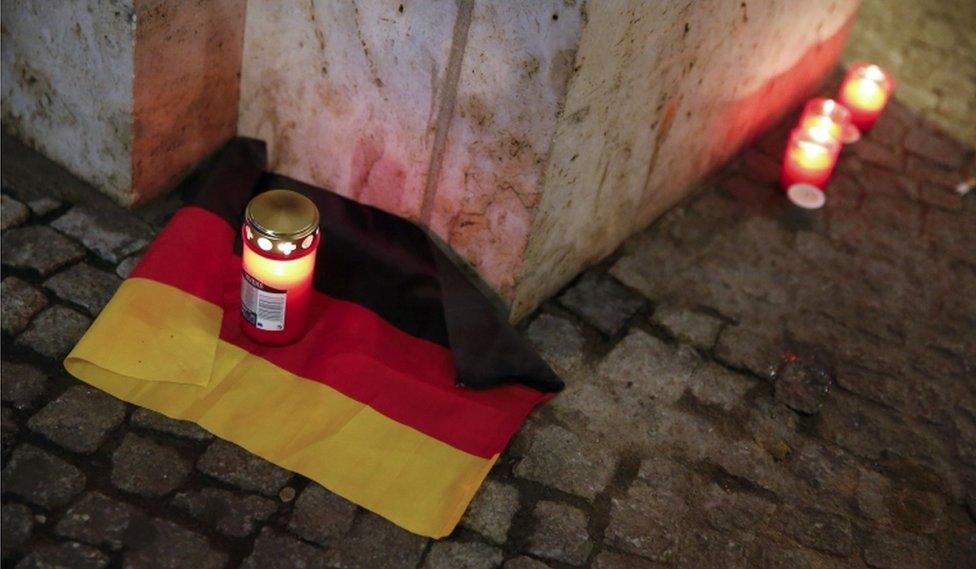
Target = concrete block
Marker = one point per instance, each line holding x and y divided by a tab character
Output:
662	94
346	93
66	81
533	137
128	95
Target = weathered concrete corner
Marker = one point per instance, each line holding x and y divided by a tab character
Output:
67	79
661	95
127	94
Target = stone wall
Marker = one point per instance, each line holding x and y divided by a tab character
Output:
663	93
438	111
67	84
532	137
126	94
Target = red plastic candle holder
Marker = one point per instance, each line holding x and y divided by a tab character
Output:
280	236
810	157
865	92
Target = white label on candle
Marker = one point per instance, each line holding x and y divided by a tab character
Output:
261	305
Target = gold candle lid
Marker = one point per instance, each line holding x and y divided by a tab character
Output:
281	220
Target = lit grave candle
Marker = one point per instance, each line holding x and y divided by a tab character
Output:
281	235
865	92
810	157
831	116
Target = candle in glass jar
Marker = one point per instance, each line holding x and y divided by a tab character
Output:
865	92
281	236
810	157
828	115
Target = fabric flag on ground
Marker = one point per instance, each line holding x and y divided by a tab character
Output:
368	404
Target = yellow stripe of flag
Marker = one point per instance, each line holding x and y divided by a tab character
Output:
158	347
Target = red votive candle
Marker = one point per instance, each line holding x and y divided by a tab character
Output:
810	157
865	92
281	235
827	114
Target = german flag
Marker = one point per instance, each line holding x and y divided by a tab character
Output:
408	385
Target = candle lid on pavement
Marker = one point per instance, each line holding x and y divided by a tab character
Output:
806	196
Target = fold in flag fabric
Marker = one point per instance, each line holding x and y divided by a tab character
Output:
401	396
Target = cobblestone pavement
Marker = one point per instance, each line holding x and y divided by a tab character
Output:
930	47
749	385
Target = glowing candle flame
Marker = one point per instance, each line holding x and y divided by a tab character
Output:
865	92
827	115
810	157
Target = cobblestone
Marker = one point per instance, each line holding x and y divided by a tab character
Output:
612	560
275	550
321	516
559	340
820	530
743	348
645	367
524	562
124	269
8	428
85	286
55	331
21	302
872	490
453	555
375	542
17	524
231	464
41	478
148	419
894	551
231	514
645	523
717	386
68	555
146	468
38	248
22	384
80	419
802	386
560	533
98	520
602	302
12	212
775	556
43	206
560	459
689	326
111	237
491	511
161	544
936	147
